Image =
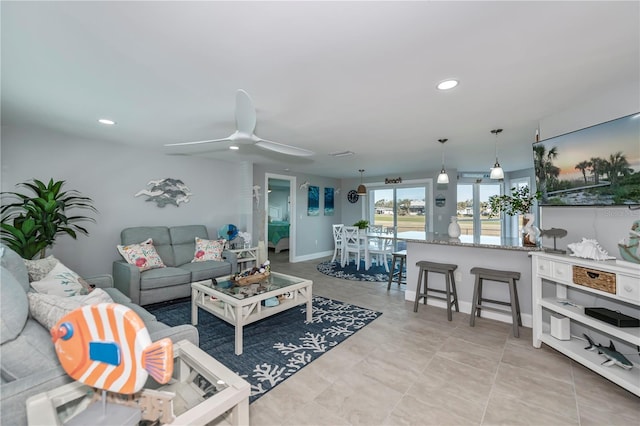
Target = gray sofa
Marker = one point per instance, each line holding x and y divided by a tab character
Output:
176	247
28	360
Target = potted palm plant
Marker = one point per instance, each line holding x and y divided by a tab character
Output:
30	223
520	201
362	224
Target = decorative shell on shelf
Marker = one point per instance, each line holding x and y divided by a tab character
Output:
589	249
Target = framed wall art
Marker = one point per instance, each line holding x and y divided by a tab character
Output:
313	202
328	201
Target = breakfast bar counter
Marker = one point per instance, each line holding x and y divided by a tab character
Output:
488	252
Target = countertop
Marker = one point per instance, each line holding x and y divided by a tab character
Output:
465	241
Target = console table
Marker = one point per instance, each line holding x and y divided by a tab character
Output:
558	272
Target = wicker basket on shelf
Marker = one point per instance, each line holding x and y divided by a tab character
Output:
250	279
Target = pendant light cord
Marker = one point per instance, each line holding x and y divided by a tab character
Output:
495	146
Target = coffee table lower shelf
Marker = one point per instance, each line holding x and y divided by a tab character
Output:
240	312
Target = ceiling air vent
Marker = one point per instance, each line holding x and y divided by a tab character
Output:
341	153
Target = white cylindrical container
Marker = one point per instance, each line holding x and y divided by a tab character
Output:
454	228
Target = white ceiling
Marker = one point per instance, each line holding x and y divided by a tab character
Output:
325	76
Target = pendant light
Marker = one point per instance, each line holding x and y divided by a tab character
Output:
362	190
443	177
496	170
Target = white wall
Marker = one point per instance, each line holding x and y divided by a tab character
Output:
608	225
111	174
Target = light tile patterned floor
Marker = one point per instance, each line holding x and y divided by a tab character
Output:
411	368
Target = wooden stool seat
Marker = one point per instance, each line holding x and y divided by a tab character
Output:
397	256
507	277
451	295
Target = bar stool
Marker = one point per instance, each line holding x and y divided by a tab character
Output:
442	268
402	257
507	277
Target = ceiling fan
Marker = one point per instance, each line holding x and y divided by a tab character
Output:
245	126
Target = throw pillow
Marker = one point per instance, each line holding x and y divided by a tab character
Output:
61	281
208	250
143	255
48	309
39	268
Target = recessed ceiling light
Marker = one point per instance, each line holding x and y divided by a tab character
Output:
106	121
447	84
233	147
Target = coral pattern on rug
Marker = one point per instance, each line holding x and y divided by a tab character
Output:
277	347
375	273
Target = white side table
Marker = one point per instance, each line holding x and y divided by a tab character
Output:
205	390
247	258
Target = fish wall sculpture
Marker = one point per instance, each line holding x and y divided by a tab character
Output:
166	191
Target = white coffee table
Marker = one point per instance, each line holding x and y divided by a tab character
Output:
240	306
204	390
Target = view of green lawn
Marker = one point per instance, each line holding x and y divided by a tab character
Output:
490	227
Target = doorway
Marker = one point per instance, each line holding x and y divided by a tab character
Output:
279	220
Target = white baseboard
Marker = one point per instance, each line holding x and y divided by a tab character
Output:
312	256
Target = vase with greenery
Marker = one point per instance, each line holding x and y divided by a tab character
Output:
362	224
519	202
30	223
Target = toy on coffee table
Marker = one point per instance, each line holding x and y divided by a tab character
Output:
254	275
108	347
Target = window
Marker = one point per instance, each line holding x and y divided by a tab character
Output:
513	224
473	212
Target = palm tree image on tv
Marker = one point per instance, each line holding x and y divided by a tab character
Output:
597	165
602	181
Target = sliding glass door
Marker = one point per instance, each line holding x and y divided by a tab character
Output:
403	206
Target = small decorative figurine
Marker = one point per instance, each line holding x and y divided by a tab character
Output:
613	357
630	246
589	249
530	232
108	346
555	233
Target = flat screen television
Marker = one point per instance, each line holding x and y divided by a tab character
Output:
594	166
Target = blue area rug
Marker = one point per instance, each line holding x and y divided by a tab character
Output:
276	347
349	272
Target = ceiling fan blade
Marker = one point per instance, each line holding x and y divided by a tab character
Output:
284	149
245	113
227	139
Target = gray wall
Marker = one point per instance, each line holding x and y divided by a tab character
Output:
111	174
608	225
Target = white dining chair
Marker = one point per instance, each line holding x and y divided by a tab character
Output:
351	243
381	250
337	241
392	231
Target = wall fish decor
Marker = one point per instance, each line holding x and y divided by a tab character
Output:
166	191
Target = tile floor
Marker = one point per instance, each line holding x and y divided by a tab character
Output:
410	368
